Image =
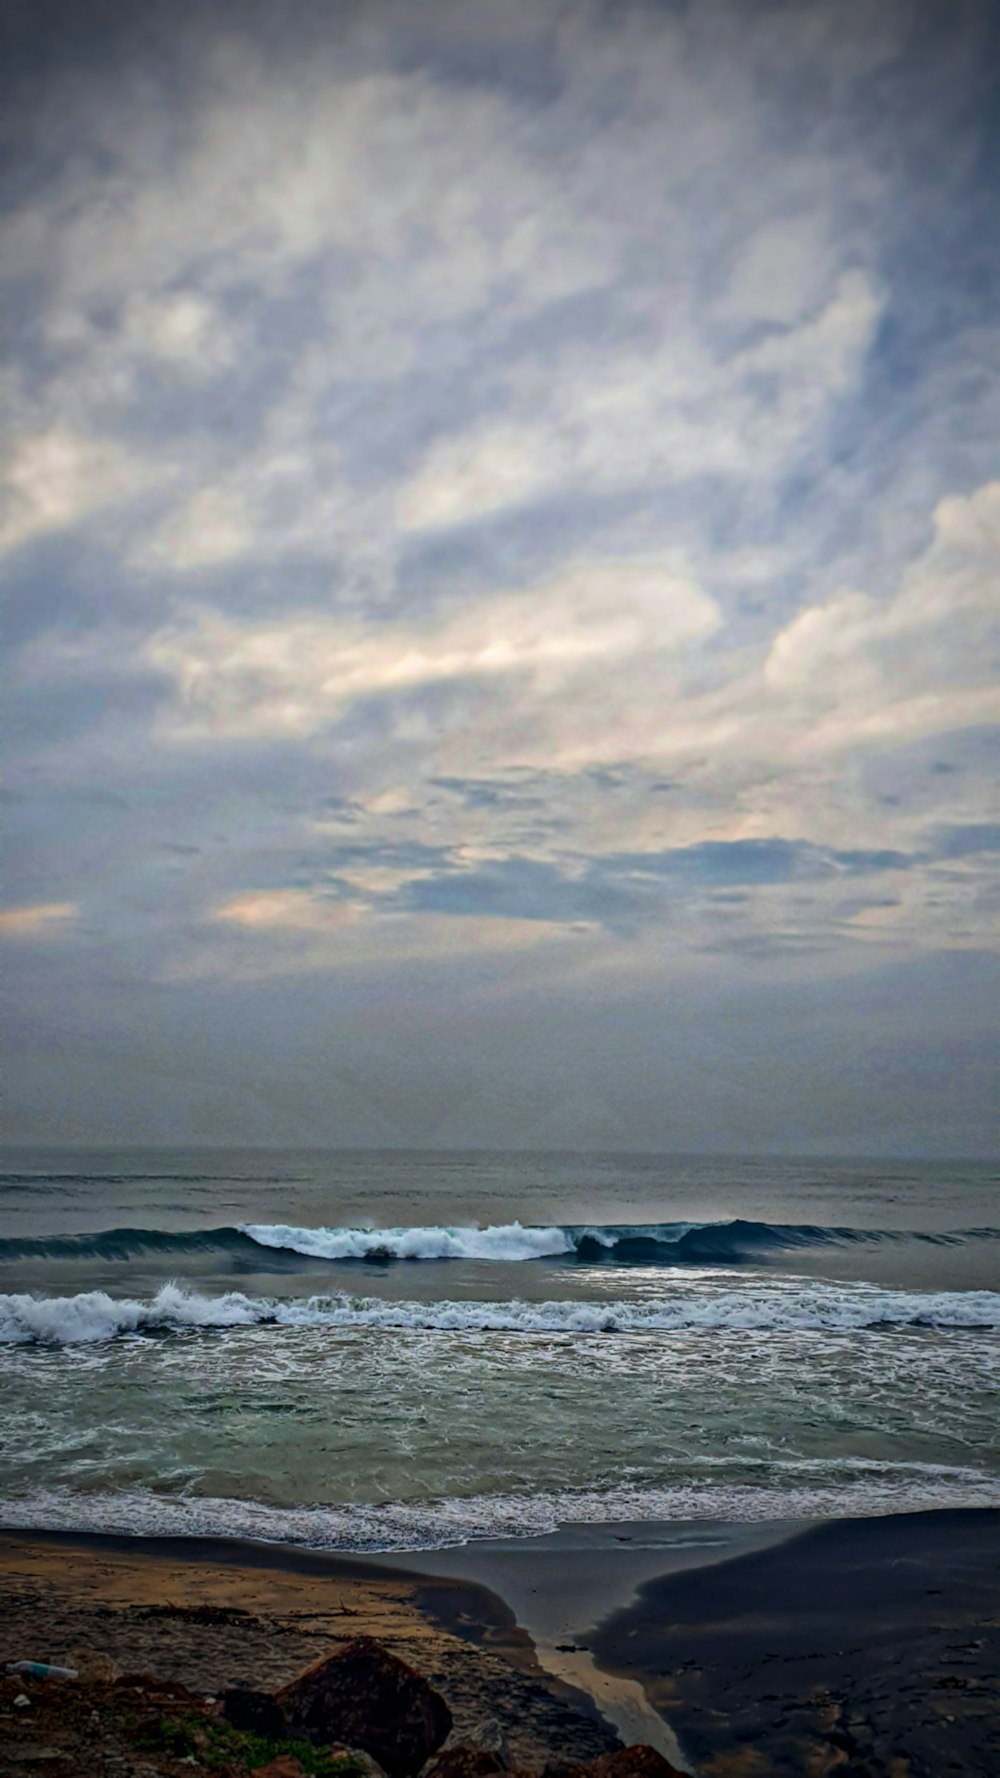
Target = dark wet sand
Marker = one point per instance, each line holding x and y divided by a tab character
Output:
563	1585
861	1647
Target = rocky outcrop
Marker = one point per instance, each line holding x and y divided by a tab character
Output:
361	1704
363	1696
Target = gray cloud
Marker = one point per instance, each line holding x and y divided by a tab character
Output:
499	512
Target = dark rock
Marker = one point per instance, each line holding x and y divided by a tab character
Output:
368	1767
634	1762
465	1762
368	1698
488	1733
20	1754
486	1736
256	1712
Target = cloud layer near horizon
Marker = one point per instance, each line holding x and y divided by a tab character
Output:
500	517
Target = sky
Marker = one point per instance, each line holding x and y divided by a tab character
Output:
499	530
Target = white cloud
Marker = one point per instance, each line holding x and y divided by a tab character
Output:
37	919
916	663
467	477
292	910
213	527
781	272
274	933
599	420
55	478
183	329
294	676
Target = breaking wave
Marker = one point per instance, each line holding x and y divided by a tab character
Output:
796	1305
647	1244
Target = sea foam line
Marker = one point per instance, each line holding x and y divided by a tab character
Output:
778	1306
851	1488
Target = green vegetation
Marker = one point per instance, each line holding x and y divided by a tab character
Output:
215	1745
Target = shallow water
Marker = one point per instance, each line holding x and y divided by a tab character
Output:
235	1342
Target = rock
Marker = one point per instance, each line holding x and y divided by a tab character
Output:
285	1766
366	1697
254	1711
35	1756
22	1701
625	1762
370	1767
465	1761
164	1688
488	1735
632	1762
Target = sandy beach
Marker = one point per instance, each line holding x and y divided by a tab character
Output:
214	1614
861	1647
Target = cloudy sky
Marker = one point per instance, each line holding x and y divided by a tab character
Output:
499	525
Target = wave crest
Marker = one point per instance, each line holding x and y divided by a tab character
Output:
647	1244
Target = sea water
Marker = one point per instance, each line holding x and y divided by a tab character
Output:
393	1351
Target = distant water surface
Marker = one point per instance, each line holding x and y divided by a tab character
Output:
399	1351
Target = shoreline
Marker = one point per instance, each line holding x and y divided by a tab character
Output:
731	1639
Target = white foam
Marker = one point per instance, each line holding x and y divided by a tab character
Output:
508	1242
93	1315
781	1305
838	1489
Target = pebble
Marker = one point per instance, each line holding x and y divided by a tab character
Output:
22	1701
36	1756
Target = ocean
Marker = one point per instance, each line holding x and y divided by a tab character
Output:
408	1351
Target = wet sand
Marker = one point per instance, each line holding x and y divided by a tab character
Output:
868	1647
561	1587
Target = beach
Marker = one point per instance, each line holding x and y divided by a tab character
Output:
649	1451
860	1646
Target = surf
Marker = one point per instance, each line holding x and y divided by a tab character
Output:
95	1317
726	1243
